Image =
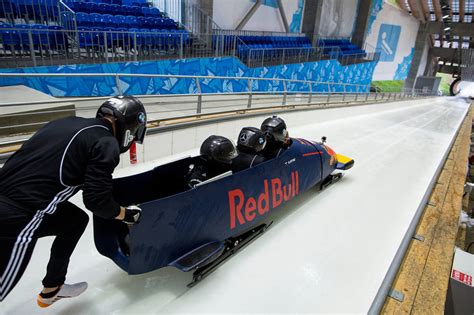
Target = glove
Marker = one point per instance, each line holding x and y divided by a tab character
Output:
132	215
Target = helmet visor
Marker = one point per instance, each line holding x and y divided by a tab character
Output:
140	134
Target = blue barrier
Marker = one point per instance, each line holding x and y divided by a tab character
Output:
320	71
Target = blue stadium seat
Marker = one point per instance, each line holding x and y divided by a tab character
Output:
142	21
127	10
151	12
108	20
10	38
115	9
104	8
87	38
95	19
131	22
136	11
56	38
83	19
119	21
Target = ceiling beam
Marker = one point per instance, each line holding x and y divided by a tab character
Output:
424	8
461	10
414	9
437	9
402	6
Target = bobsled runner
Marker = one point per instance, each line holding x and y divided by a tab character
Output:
197	229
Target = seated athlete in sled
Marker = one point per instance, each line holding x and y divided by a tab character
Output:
217	153
277	136
251	143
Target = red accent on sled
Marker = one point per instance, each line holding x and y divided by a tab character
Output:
312	153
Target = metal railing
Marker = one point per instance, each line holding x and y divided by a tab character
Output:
257	94
254	33
20	47
275	56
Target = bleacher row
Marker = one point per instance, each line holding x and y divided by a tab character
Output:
31	9
344	47
53	37
272	46
120	21
114	9
42	37
132	38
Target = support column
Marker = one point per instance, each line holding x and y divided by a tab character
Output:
362	21
206	6
311	19
420	42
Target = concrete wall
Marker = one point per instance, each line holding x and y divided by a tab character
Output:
338	18
228	14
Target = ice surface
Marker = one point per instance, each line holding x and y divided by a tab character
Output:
329	254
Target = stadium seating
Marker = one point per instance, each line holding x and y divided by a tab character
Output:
31	9
42	37
271	46
340	48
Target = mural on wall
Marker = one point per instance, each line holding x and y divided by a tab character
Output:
374	11
392	32
229	13
322	71
404	67
297	18
387	41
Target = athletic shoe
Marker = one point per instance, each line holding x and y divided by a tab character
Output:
64	292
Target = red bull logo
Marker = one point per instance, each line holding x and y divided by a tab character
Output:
244	209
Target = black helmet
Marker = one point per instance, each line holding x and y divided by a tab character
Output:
274	129
251	140
219	149
130	119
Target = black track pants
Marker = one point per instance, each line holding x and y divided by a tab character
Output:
19	232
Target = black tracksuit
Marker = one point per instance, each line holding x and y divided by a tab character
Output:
63	157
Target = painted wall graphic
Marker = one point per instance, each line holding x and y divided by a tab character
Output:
322	71
374	11
392	32
228	14
387	41
404	67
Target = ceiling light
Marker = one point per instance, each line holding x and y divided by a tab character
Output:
447	28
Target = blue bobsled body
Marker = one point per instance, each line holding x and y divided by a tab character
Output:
177	221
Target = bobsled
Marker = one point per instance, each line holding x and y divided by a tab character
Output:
197	229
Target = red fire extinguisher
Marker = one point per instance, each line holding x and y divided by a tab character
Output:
133	153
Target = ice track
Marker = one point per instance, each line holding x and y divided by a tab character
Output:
329	254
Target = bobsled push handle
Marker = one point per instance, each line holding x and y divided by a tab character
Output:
213	179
